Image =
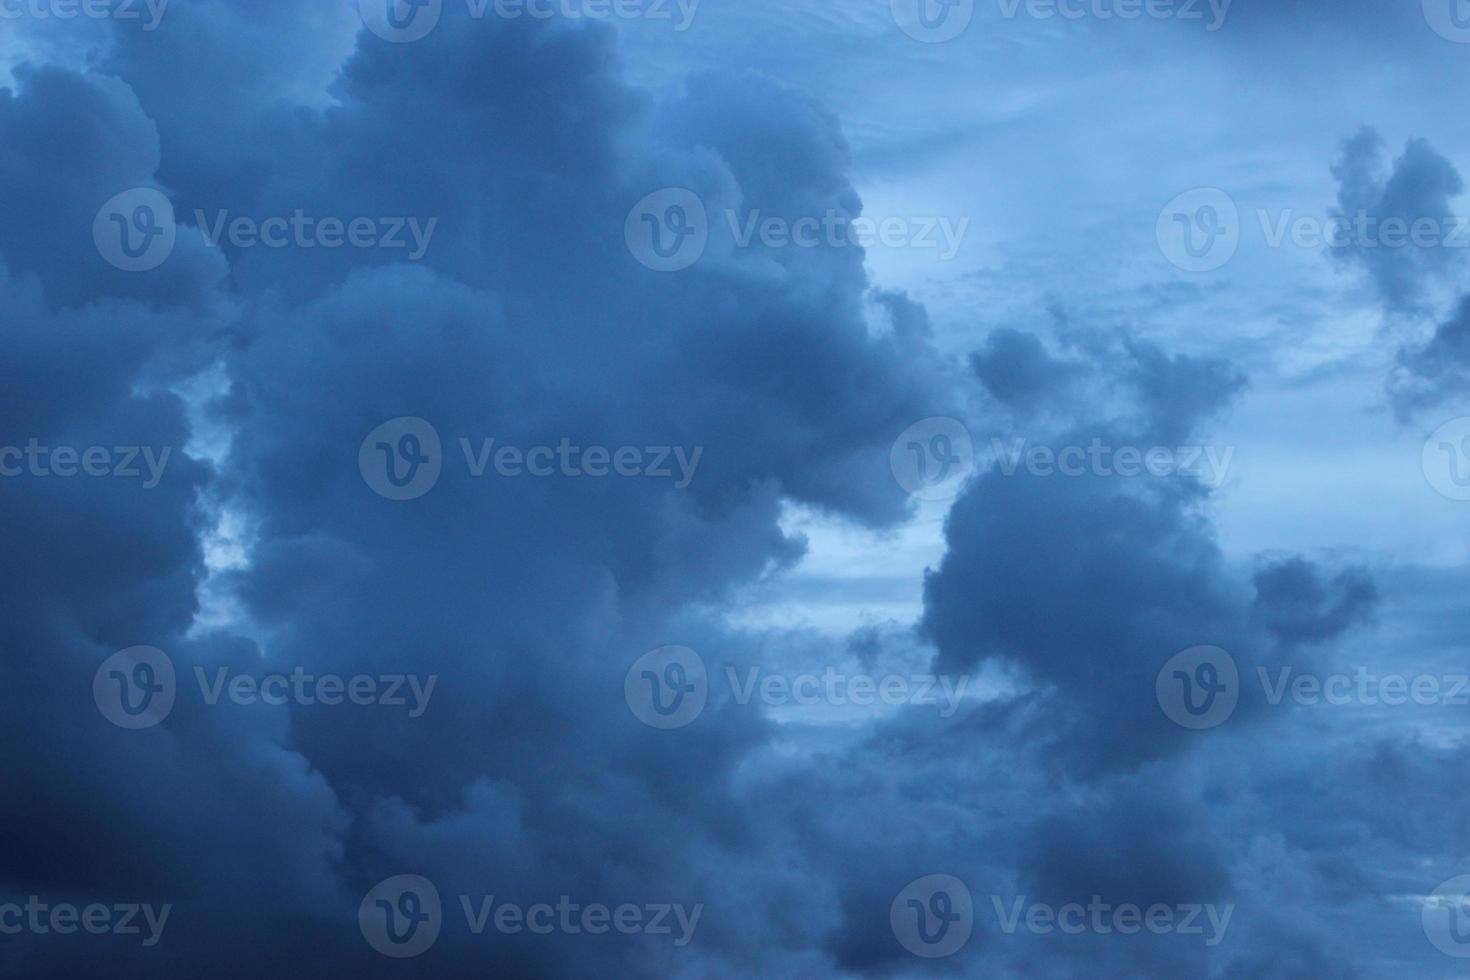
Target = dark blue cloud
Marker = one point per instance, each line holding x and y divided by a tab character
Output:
528	319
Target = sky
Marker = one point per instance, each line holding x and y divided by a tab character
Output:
657	488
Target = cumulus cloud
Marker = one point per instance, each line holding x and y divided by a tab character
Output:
527	320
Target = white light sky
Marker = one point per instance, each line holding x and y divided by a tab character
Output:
1061	142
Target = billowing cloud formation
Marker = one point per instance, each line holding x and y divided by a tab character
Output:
1379	208
256	388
